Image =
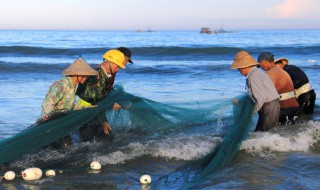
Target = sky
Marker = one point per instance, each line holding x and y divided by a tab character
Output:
158	15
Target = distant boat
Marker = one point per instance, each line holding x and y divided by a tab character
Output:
149	30
207	30
221	30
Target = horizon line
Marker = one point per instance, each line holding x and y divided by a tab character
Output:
146	31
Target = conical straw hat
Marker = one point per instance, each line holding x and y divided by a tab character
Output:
79	67
282	60
243	60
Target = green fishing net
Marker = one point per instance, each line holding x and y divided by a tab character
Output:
236	133
149	118
138	114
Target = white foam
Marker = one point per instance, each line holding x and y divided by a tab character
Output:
184	148
180	148
299	138
119	157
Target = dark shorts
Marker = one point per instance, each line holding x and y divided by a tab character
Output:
268	116
306	102
62	143
94	131
287	115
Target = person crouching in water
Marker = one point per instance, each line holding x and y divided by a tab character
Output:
61	95
289	106
304	93
261	90
94	90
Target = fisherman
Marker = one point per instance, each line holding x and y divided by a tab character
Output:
303	91
61	95
261	90
289	106
97	87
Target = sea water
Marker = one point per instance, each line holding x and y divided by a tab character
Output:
176	68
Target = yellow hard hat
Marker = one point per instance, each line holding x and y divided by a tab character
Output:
116	57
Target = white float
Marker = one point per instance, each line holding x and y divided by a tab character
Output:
9	175
31	174
145	179
95	165
50	173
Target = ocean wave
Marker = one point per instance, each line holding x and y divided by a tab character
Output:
301	137
157	52
31	67
45	51
170	68
176	148
297	138
204	68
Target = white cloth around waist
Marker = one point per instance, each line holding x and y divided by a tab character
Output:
303	89
287	95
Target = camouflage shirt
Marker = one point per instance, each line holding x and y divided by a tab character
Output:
59	98
96	87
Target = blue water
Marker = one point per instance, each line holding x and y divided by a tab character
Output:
177	68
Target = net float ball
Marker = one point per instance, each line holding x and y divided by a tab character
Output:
95	165
32	174
9	175
50	173
145	179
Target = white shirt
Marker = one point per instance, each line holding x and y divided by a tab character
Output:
260	88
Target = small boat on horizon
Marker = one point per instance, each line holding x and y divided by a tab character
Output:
207	30
149	30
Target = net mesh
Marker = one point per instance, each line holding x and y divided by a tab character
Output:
138	114
238	131
196	172
150	118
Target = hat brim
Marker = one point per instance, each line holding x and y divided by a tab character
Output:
130	60
80	67
243	60
238	65
282	60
